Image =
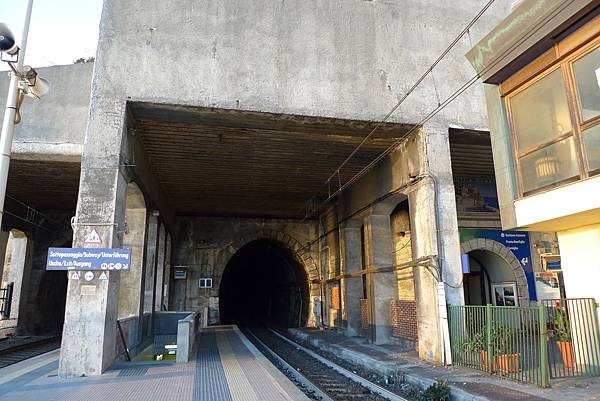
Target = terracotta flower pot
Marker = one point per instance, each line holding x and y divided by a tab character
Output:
509	363
568	355
484	359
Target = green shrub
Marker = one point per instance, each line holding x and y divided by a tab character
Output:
438	391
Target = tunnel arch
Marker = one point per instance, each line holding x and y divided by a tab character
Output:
265	282
302	252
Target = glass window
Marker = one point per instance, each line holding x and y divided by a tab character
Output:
541	112
549	166
591	140
587	76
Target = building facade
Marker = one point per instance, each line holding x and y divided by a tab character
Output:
210	144
541	69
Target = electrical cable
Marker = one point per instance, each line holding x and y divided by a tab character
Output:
413	87
440	107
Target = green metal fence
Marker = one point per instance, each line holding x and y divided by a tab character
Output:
506	341
529	344
573	337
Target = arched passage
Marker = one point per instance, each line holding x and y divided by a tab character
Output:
496	276
264	282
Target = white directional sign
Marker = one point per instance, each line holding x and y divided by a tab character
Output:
88	259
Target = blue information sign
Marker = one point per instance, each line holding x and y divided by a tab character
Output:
517	242
88	259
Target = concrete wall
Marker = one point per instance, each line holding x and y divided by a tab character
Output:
205	246
55	125
357	56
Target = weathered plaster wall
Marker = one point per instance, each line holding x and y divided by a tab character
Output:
55	125
205	245
358	57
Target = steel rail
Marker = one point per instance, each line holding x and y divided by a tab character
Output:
375	388
299	377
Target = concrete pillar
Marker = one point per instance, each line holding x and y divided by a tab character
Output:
3	245
151	256
160	268
17	271
435	233
424	244
381	286
131	291
89	331
439	166
352	291
168	278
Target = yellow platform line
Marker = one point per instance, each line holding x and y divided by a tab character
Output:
239	386
6	377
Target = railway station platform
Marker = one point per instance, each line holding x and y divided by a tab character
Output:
227	368
466	385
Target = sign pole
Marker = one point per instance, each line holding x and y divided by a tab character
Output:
8	124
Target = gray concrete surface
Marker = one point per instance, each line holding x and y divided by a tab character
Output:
187	330
228	367
358	59
54	127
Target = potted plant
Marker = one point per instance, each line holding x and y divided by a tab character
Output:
562	335
473	347
502	339
505	359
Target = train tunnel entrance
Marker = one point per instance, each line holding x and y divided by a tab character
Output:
264	283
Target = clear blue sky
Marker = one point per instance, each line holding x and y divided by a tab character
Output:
72	22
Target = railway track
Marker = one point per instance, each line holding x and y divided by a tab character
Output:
320	378
25	351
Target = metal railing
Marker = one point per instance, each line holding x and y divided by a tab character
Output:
6	300
574	339
505	341
559	338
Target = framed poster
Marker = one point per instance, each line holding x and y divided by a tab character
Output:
547	285
505	294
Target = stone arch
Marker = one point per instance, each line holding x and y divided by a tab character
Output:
299	250
510	258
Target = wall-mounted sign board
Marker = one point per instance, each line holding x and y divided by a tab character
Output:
551	262
88	259
180	274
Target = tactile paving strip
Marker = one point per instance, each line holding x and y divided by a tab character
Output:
210	382
262	382
239	386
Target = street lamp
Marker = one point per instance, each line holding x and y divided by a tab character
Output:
24	82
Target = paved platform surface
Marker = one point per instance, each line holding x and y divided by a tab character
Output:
227	368
467	384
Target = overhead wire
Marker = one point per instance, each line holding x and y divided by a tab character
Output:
435	111
413	88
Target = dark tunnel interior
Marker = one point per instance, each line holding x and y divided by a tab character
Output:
264	283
